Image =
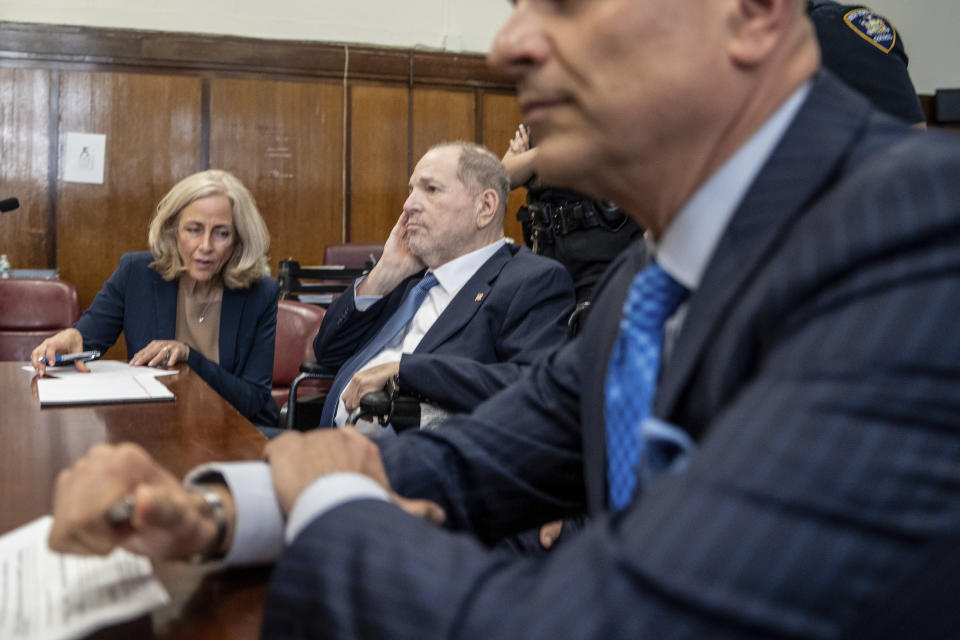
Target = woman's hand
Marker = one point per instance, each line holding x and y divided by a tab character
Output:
161	353
67	341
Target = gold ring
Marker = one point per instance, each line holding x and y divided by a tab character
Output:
165	350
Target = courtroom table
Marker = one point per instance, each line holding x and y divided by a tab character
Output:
199	426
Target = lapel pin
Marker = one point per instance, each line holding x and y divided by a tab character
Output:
478	298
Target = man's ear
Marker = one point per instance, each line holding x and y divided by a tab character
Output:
487	205
757	27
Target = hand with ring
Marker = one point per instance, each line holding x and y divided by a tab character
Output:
161	353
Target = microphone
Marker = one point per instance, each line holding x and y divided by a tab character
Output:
9	205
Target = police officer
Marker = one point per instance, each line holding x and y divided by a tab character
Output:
865	50
581	233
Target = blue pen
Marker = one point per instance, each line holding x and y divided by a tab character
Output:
83	356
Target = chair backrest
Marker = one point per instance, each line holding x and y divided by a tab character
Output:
297	326
353	255
316	284
32	310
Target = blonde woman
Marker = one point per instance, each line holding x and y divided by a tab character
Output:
198	296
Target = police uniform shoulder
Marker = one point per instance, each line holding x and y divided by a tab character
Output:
864	49
850	26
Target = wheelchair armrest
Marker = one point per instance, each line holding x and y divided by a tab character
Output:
375	404
401	411
316	369
309	370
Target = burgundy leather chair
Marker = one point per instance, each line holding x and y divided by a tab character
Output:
297	326
352	255
32	310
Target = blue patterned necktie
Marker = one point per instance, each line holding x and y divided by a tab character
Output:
396	323
632	375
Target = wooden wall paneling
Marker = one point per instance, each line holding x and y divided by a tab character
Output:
28	43
26	234
285	141
501	115
457	68
151	93
152	125
379	146
441	115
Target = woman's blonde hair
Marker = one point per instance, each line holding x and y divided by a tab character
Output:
247	263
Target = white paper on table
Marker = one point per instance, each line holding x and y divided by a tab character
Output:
52	596
105	367
100	389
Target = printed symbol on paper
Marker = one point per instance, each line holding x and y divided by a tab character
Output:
85	161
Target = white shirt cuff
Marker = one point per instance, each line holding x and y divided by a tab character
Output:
362	303
329	491
258	530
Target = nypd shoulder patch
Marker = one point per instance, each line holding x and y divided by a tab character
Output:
872	27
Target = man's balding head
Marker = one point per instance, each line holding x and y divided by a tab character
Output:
458	195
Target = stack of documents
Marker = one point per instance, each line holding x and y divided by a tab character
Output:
109	381
51	596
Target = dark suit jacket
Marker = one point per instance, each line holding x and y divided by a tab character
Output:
137	301
819	370
477	346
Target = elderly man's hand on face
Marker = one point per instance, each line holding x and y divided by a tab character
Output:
396	263
297	459
167	520
363	382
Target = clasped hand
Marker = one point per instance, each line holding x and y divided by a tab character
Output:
170	521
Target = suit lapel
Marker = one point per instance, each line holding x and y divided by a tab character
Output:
230	311
466	303
803	161
598	336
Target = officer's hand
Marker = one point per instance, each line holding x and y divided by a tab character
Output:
520	159
520	141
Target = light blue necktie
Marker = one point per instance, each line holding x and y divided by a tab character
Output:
396	323
632	375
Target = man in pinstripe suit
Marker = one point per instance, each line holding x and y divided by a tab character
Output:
815	365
